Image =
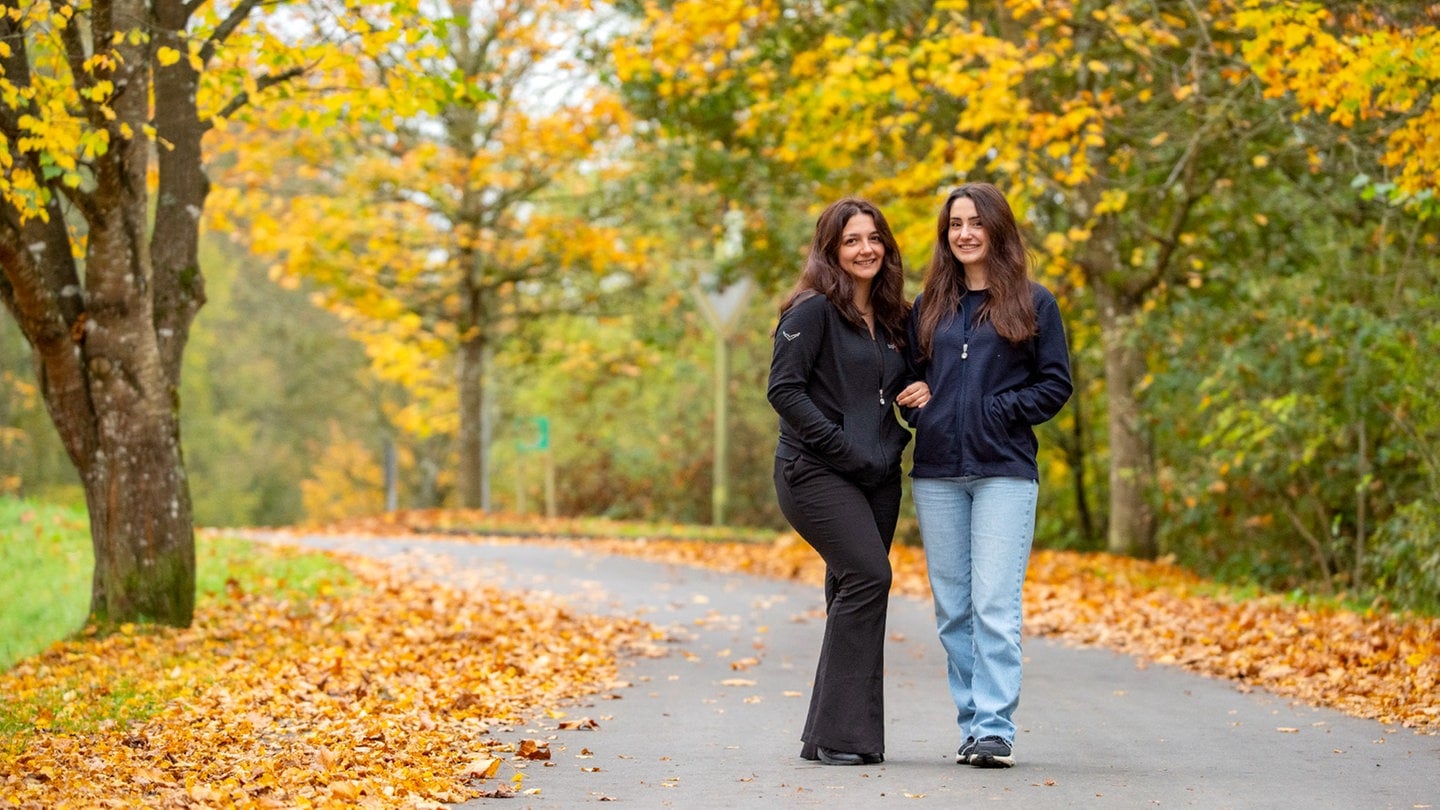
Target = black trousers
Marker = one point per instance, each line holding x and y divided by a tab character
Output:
851	527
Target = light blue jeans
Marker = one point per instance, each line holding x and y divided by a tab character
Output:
977	534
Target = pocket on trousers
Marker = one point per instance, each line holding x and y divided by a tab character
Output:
803	469
787	469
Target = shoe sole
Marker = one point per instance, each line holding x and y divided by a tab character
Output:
991	761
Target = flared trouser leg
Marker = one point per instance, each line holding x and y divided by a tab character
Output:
851	528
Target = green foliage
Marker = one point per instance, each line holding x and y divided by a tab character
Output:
1292	405
1406	561
1406	549
630	404
266	375
32	460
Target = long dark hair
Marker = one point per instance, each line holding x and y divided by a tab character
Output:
1010	305
823	274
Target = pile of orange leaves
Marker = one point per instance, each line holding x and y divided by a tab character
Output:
385	697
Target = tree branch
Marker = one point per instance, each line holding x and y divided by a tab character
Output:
70	37
1315	546
263	83
236	18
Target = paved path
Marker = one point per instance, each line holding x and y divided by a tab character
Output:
1096	729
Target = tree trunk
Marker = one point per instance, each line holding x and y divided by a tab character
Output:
1077	454
139	502
131	468
135	484
1132	466
179	286
471	469
108	344
470	472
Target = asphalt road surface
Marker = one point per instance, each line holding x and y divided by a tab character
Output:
703	728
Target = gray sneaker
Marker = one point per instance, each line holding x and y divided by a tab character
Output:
992	752
967	749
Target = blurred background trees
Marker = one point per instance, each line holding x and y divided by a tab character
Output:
1234	201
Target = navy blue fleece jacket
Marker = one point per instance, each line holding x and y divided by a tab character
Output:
986	393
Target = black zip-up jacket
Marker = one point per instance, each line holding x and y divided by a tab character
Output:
986	393
834	387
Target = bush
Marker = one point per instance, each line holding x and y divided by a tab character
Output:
1406	558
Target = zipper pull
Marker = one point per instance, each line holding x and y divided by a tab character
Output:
965	351
882	396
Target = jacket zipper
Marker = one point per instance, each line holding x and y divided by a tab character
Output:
964	331
880	356
964	379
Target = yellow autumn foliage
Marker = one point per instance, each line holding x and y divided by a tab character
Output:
446	215
1355	70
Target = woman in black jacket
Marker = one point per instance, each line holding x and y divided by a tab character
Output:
837	372
991	344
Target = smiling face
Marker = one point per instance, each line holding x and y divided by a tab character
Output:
968	240
861	251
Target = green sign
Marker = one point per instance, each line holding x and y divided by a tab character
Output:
542	435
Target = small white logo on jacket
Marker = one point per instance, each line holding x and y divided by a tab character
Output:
789	336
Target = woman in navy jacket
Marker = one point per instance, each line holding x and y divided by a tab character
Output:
991	344
837	372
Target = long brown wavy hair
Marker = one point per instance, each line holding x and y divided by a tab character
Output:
1010	305
823	274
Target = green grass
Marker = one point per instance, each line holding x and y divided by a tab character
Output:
255	567
45	588
47	561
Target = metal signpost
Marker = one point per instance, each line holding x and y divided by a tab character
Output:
722	309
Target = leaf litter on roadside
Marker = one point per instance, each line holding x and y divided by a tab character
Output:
387	698
1375	665
381	698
